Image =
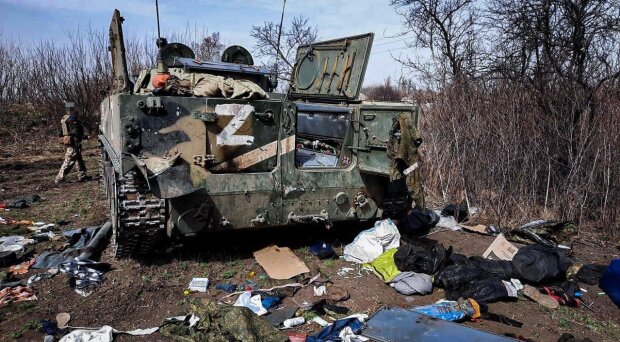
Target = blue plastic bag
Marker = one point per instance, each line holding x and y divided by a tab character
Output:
610	281
450	310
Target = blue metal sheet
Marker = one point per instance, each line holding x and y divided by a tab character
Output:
192	64
402	325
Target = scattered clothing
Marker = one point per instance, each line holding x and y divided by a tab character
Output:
222	324
16	294
421	257
371	243
384	266
409	283
541	264
590	274
85	274
22	268
332	331
544	232
404	170
226	287
269	302
322	250
25	202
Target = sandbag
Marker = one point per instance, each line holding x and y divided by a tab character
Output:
540	264
421	258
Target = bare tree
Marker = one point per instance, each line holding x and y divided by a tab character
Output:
282	58
209	48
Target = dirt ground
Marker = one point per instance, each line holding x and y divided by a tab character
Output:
141	293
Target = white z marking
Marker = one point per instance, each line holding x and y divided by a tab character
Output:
240	113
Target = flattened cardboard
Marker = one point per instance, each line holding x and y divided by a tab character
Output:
500	249
280	262
479	228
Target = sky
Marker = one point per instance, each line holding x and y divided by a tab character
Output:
34	20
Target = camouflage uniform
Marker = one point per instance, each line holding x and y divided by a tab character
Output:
73	133
404	160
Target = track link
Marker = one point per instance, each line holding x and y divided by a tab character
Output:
141	218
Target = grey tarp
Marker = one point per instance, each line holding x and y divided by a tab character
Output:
409	283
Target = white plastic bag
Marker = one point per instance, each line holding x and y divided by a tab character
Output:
252	303
371	243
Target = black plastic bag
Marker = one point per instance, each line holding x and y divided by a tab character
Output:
421	257
485	290
458	211
590	274
540	264
418	222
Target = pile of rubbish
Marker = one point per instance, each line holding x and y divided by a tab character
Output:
73	260
541	271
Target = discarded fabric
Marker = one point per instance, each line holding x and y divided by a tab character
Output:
221	324
544	232
251	302
226	287
409	283
541	264
16	294
332	331
84	273
322	250
22	268
269	302
371	243
458	211
384	266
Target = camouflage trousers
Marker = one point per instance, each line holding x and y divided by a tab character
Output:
72	155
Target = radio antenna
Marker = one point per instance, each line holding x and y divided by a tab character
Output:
157	10
279	35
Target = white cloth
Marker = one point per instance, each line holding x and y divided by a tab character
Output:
252	303
371	243
105	334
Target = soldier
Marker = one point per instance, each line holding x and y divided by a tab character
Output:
72	135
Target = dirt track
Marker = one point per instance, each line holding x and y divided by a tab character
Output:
140	294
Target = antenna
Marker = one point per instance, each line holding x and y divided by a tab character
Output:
278	45
157	10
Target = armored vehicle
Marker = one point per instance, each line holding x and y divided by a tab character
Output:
198	146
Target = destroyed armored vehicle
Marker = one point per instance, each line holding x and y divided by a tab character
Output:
198	146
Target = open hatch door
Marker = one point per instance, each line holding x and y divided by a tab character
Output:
121	81
331	70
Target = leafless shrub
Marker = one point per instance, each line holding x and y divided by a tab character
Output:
37	77
530	129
